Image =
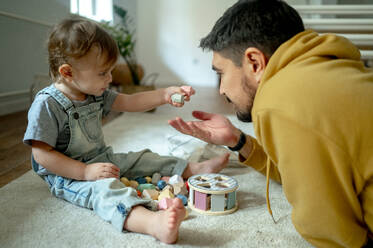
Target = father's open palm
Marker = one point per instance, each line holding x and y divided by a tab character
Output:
212	128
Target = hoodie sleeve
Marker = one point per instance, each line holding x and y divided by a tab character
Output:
258	160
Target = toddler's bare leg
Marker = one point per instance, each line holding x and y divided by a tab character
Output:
163	225
213	165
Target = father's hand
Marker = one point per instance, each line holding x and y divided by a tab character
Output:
212	128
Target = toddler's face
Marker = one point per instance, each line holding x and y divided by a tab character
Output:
90	74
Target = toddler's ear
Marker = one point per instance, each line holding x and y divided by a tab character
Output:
65	71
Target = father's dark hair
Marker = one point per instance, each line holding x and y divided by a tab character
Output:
264	24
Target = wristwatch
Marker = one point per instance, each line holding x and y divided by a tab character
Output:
240	144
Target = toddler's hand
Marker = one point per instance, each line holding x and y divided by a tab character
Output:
186	91
98	171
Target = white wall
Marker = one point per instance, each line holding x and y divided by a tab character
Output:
23	47
131	7
168	35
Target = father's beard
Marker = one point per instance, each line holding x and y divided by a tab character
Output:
250	90
244	116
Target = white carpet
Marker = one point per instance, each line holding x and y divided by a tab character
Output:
31	217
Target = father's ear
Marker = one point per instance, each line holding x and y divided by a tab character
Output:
65	71
255	62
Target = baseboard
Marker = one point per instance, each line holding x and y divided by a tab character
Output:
15	101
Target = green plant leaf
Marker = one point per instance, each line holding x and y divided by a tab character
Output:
125	40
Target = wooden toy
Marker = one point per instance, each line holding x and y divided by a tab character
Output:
178	98
212	194
177	189
150	194
176	179
143	186
161	184
168	187
140	180
134	184
125	181
155	178
166	193
148	179
165	178
183	199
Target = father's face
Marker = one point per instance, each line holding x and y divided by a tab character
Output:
238	88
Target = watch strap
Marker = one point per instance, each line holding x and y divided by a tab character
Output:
240	144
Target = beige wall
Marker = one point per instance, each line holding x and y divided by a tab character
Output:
22	47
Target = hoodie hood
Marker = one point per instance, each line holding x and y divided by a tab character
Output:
306	45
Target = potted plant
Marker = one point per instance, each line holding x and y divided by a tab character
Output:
130	74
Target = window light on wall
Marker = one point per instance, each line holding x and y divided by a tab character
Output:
98	10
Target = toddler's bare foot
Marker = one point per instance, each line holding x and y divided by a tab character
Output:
213	165
166	222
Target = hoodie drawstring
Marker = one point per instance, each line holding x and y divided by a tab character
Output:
267	189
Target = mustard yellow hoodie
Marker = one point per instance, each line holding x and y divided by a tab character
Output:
313	120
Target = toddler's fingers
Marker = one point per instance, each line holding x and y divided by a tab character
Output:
187	98
115	170
112	166
178	105
188	90
110	170
108	174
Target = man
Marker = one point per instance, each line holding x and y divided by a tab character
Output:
310	99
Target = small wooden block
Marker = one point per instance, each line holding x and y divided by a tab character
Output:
148	179
155	178
231	201
169	188
180	190
144	186
134	184
125	181
217	202
177	98
165	193
183	199
150	194
176	179
200	200
161	184
191	196
140	180
165	179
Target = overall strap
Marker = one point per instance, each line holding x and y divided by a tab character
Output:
58	96
99	98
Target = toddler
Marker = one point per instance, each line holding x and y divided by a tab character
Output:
68	149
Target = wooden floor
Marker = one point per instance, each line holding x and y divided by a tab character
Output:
14	155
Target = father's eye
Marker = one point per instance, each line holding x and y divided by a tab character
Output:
102	73
219	76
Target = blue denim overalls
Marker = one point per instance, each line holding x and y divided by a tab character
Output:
109	198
